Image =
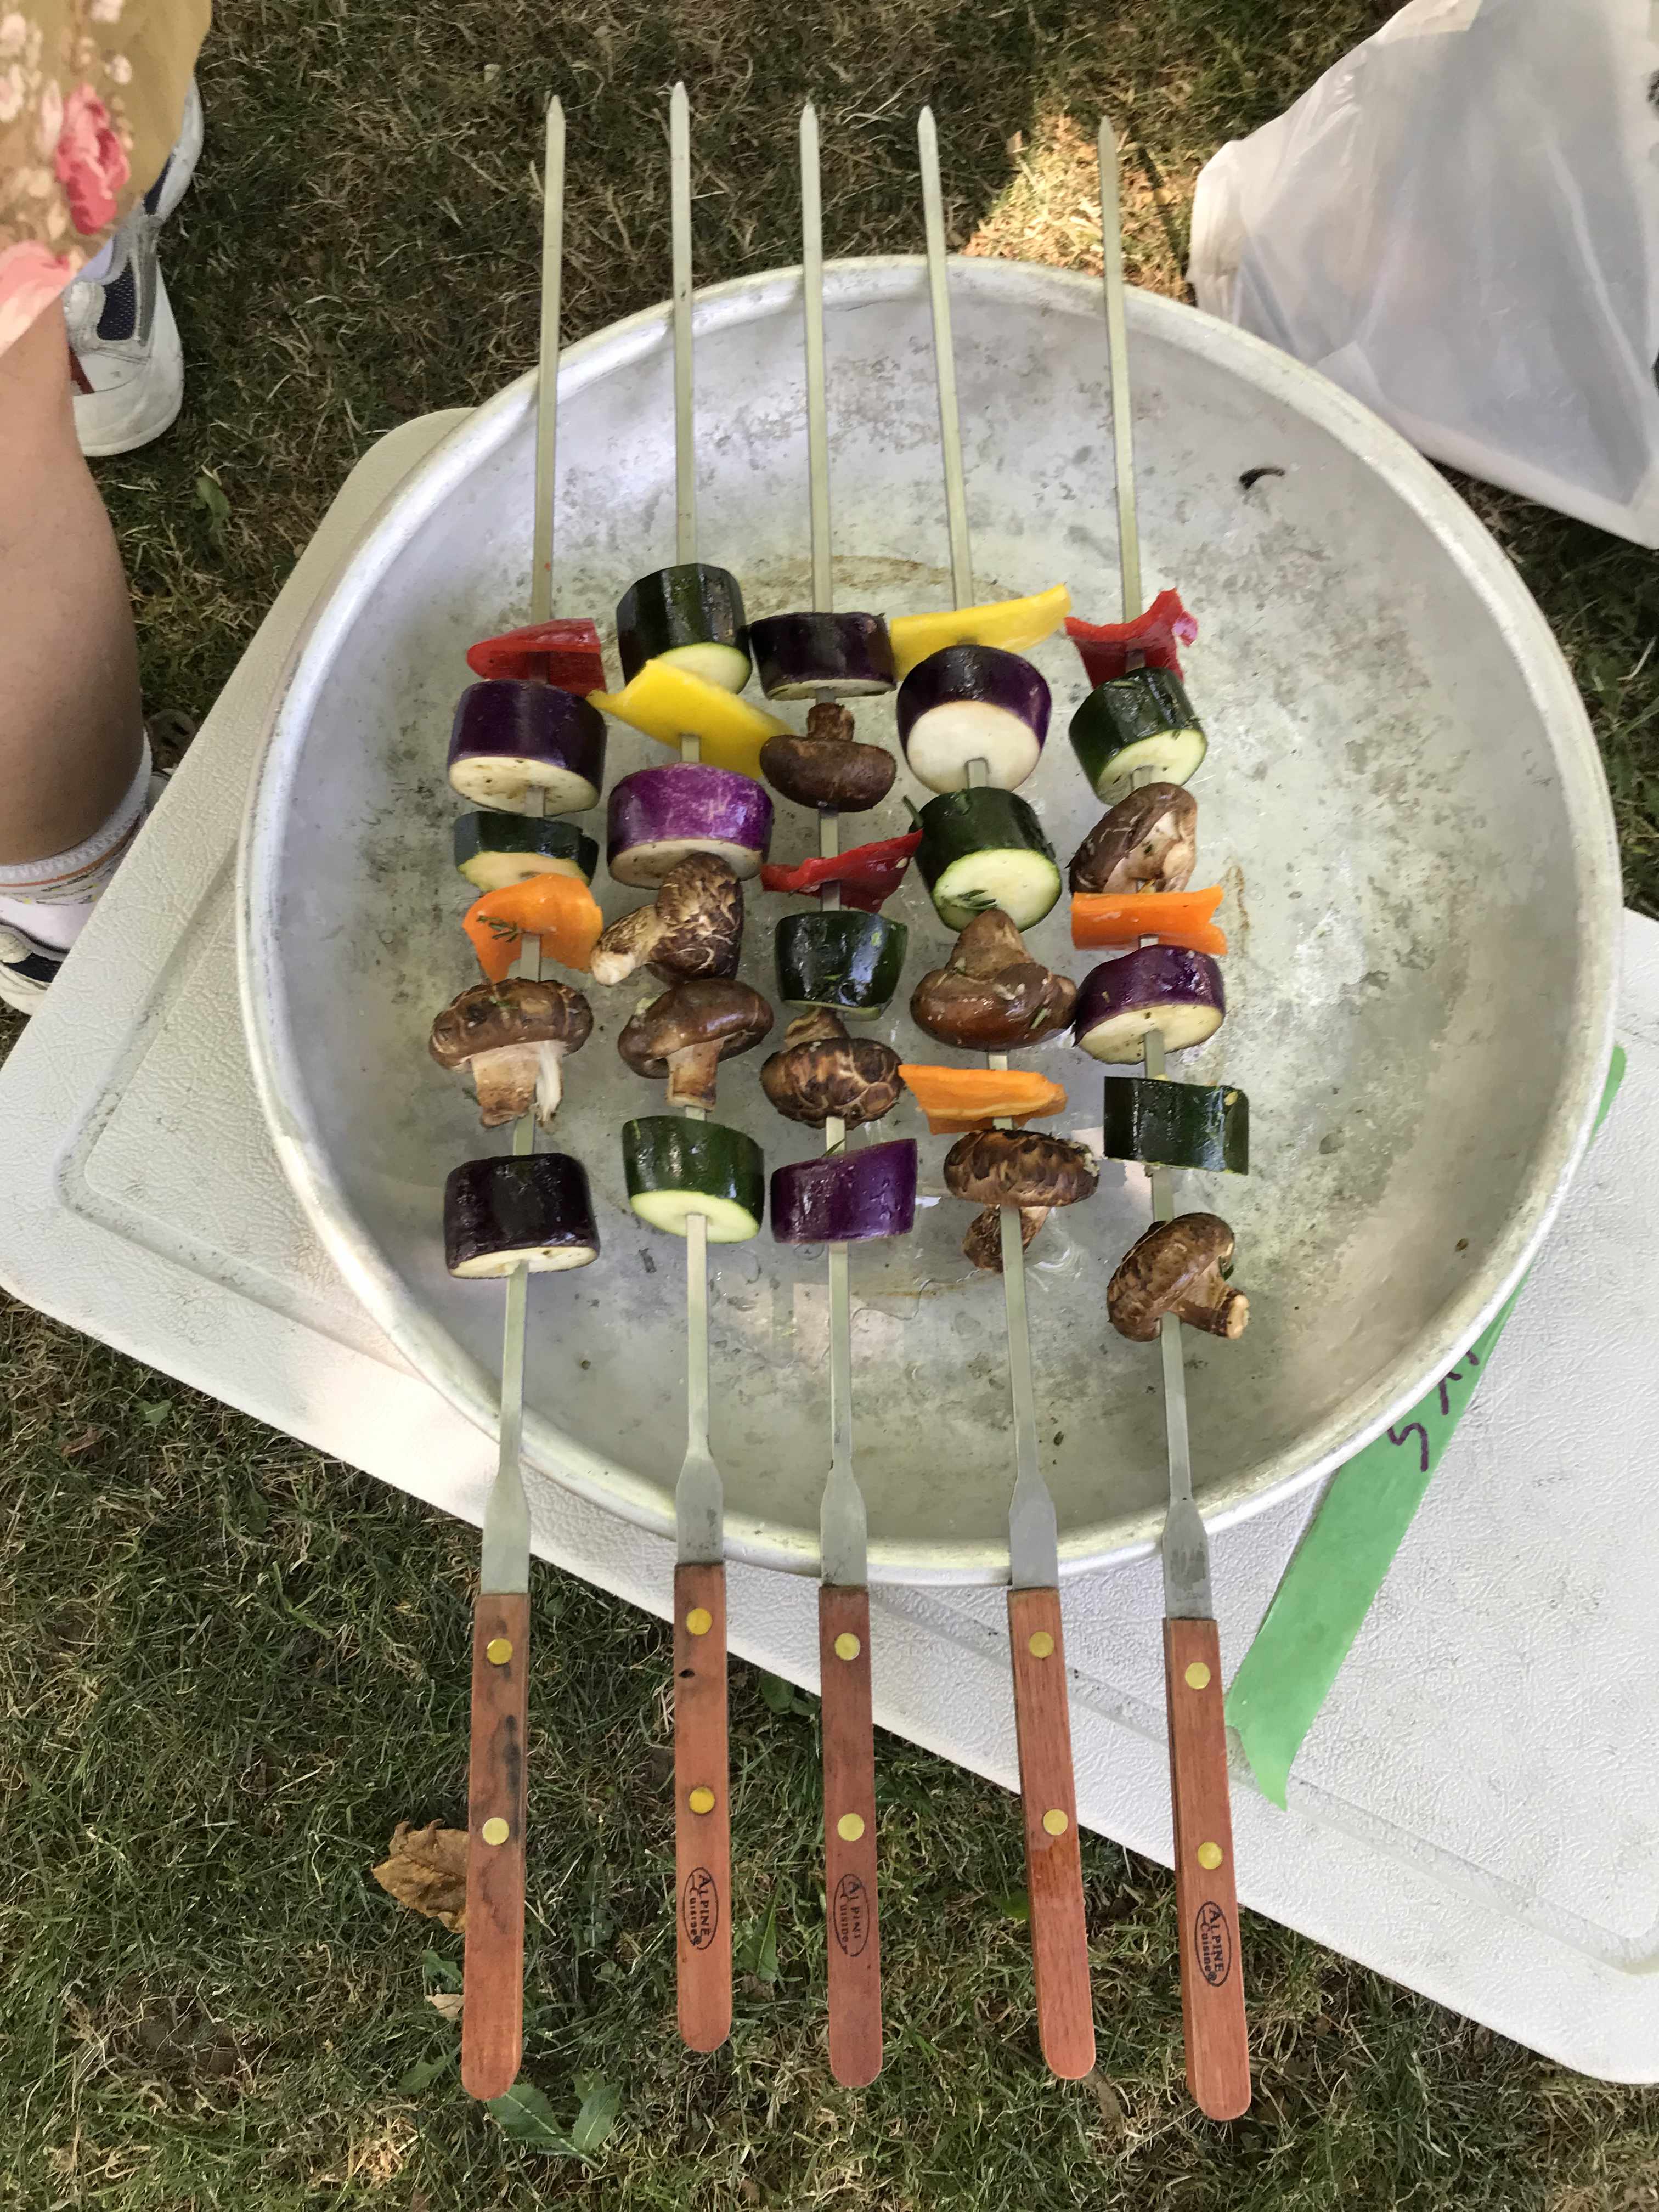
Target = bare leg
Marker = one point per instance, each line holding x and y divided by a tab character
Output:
71	726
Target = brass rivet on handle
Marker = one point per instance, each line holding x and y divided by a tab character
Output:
1054	1822
701	1799
1042	1645
495	1831
847	1646
499	1650
849	1827
1197	1676
699	1621
1209	1856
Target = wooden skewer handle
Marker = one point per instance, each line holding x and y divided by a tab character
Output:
492	2017
1206	1903
703	1813
849	1836
1054	1859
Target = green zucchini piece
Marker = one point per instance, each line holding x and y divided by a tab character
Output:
840	958
985	848
691	616
676	1167
494	850
1165	1124
1143	720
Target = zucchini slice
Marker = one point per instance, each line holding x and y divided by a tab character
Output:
1176	1125
983	848
676	1167
494	850
840	958
691	617
1143	720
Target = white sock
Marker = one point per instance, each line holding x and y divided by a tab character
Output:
99	267
50	900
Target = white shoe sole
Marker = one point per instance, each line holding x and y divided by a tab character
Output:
142	407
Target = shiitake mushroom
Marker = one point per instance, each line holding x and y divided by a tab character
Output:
820	1071
991	996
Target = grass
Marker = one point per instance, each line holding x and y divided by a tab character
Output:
227	1666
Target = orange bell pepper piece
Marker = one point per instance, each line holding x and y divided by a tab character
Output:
559	909
958	1099
1101	918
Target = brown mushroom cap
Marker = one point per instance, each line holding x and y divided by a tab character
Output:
690	1029
492	1016
512	1037
1178	1267
828	767
991	996
1147	843
820	1071
1019	1167
693	926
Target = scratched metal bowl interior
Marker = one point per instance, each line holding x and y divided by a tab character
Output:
1401	799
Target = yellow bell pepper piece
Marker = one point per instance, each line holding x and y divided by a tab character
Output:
668	703
1013	624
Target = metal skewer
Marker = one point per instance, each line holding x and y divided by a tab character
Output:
854	1944
492	2020
703	1821
1053	1867
1207	1904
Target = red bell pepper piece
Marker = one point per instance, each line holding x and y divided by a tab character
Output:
564	653
1106	646
867	875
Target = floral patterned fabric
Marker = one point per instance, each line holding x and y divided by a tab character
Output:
91	95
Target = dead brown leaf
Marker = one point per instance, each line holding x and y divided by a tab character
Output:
1112	2116
446	2003
425	1868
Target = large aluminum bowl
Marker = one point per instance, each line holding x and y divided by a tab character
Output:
1402	798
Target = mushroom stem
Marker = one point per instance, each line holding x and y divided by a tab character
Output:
830	722
549	1082
983	1242
691	1074
627	945
505	1081
1215	1306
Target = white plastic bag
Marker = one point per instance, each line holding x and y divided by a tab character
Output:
1460	224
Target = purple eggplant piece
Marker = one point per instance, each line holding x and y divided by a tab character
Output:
531	1211
512	739
658	814
1162	986
970	702
847	1196
814	655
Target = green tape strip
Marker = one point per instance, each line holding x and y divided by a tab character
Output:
1337	1568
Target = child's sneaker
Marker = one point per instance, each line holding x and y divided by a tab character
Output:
27	969
124	343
